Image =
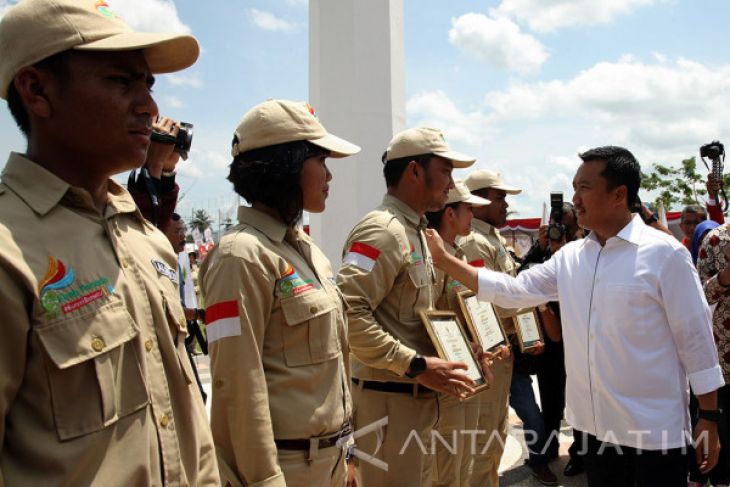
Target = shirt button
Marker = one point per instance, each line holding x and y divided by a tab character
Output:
124	262
97	344
313	309
148	344
183	324
164	421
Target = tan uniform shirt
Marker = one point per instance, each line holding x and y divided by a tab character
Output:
448	287
95	384
484	247
387	279
277	363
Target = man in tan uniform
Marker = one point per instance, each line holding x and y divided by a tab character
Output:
457	419
484	247
95	388
387	279
275	319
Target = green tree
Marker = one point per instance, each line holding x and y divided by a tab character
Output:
678	186
201	220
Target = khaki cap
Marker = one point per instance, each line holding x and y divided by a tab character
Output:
278	121
424	140
34	30
484	178
460	194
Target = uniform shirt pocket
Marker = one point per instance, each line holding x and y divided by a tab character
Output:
310	332
415	293
94	372
179	329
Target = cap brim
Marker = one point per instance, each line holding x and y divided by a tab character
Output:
338	147
507	189
475	200
458	159
165	53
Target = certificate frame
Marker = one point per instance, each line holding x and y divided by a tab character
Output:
527	325
441	324
477	329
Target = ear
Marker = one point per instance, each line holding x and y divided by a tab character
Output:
622	197
33	87
413	169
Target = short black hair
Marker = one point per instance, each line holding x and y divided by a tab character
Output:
393	170
56	65
694	209
434	217
622	169
271	175
175	217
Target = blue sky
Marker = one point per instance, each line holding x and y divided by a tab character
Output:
524	85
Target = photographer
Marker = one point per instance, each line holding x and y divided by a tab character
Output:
154	188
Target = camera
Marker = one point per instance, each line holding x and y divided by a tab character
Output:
182	142
556	230
713	150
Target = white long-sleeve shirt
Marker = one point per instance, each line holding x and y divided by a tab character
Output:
636	327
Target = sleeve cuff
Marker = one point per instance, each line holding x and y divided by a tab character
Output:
401	365
486	285
707	380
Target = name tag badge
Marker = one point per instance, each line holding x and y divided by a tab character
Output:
165	270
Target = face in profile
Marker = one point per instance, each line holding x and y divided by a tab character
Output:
437	181
314	181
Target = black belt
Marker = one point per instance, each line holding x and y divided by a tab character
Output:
403	387
305	444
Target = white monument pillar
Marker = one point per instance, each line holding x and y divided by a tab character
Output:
357	87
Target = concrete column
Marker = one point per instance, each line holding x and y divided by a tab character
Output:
357	87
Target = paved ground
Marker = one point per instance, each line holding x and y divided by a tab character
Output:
514	473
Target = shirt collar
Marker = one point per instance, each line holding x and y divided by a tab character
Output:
39	188
408	213
42	190
483	227
271	227
630	233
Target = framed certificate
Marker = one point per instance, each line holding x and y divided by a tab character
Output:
482	321
528	329
451	344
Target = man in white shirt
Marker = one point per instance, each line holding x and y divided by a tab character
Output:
636	328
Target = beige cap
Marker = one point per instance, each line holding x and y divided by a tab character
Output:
34	30
460	194
278	121
484	178
424	140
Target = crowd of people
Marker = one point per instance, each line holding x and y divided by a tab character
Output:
324	376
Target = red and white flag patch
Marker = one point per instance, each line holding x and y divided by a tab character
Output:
222	320
362	255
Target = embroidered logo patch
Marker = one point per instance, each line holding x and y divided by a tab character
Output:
59	277
165	270
290	284
103	8
414	258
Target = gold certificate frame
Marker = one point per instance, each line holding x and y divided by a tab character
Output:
451	343
529	333
484	326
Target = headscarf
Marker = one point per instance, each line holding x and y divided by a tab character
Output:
700	230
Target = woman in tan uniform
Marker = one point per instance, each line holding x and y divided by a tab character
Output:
275	319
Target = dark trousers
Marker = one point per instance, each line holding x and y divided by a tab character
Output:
721	473
551	380
609	465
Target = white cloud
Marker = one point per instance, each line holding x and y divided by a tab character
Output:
169	101
497	41
268	21
298	3
192	80
150	15
549	15
437	110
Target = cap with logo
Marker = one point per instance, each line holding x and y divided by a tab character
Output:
484	178
34	30
279	121
460	194
424	140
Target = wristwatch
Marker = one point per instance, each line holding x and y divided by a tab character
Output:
417	367
710	414
652	218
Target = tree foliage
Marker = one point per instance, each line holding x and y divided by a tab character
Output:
678	186
201	220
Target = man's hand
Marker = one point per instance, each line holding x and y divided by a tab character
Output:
502	352
713	186
351	478
161	155
435	246
443	376
707	445
536	350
